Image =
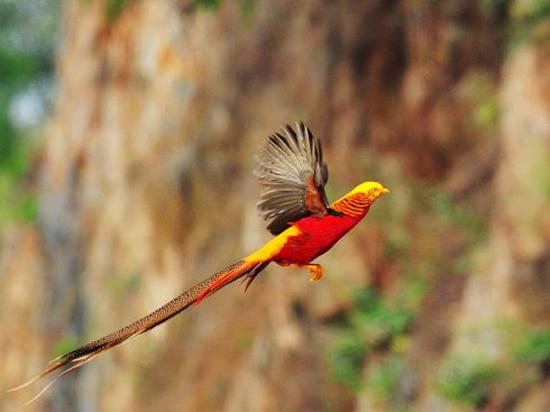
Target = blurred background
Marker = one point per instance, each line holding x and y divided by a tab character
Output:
128	130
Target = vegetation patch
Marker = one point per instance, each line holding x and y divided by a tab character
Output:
370	325
114	8
346	357
126	284
377	322
206	4
384	380
534	348
467	380
66	344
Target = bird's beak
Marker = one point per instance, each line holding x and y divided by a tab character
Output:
384	190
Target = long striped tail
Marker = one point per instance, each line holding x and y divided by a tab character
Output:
85	353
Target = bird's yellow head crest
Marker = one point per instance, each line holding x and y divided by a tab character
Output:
373	190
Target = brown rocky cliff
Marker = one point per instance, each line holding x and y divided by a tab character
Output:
145	187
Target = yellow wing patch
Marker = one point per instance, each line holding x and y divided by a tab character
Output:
271	248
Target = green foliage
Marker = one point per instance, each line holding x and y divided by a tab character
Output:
375	320
397	242
66	344
18	203
128	283
481	92
414	291
528	14
244	339
370	324
365	299
439	211
384	379
467	380
537	174
26	50
525	16
461	216
28	209
248	7
490	4
206	4
16	71
534	348
346	357
451	215
487	113
114	8
15	65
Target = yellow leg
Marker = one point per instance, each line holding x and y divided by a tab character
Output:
315	270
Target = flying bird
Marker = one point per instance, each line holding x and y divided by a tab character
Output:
293	175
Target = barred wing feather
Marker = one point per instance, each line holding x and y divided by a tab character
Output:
293	175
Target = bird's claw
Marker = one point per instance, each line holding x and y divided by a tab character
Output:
316	273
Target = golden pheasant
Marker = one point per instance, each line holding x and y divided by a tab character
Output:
292	174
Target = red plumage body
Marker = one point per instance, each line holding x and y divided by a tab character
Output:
317	235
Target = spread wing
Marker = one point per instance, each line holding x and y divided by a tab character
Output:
293	175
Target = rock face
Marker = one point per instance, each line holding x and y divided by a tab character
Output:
145	188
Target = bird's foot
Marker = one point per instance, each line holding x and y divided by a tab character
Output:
316	271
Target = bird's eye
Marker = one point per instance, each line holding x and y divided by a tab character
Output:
375	193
